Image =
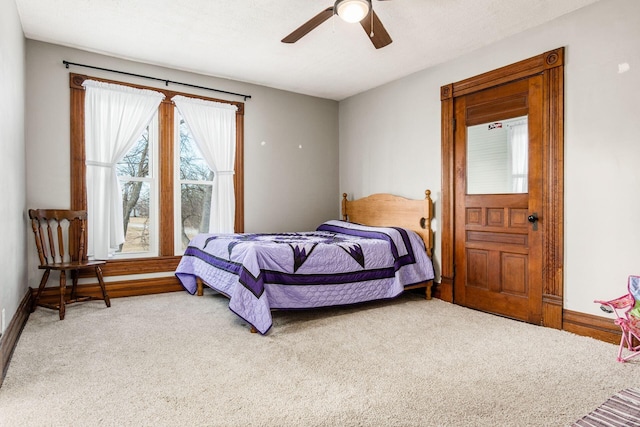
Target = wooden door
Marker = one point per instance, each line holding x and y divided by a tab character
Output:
498	200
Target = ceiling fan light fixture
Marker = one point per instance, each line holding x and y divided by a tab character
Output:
352	10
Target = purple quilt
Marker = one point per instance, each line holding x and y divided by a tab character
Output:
339	263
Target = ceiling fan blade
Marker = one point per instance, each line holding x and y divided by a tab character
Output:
380	37
305	28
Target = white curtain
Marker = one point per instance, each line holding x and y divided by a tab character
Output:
213	126
115	117
518	142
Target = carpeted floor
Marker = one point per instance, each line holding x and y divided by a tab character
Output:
181	360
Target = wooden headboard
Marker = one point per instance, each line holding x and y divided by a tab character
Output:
387	210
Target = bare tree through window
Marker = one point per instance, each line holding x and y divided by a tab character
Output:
133	171
195	187
135	174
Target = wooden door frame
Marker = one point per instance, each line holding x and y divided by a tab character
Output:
551	66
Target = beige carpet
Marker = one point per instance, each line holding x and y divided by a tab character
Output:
181	360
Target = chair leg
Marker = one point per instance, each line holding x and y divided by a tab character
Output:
107	301
43	282
63	290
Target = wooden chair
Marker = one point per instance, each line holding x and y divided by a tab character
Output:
60	237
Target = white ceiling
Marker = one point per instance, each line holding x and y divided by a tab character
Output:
240	39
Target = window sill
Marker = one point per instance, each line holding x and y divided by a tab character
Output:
121	267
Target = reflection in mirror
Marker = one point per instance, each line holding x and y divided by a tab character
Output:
497	157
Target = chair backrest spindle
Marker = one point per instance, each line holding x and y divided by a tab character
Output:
61	252
52	244
83	227
37	231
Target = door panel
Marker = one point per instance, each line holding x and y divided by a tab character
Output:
497	250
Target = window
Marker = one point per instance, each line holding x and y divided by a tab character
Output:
164	181
194	182
138	175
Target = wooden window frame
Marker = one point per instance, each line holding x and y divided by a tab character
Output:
166	260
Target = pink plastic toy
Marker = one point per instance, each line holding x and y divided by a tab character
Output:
627	311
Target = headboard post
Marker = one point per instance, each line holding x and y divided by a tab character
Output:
344	206
428	215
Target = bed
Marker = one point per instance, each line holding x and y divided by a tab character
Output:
380	248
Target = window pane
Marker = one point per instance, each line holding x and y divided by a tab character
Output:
195	180
136	173
196	210
135	204
136	161
193	167
497	157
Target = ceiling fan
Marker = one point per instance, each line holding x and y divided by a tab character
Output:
351	11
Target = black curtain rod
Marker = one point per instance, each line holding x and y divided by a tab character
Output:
67	63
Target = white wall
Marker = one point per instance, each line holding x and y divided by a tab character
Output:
291	182
390	139
13	286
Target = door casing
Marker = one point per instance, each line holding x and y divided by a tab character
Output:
550	65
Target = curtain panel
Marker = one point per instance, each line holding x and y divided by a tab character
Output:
213	126
115	117
518	143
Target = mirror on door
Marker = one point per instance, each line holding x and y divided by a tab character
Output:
497	157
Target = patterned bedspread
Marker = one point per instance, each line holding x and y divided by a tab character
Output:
339	263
